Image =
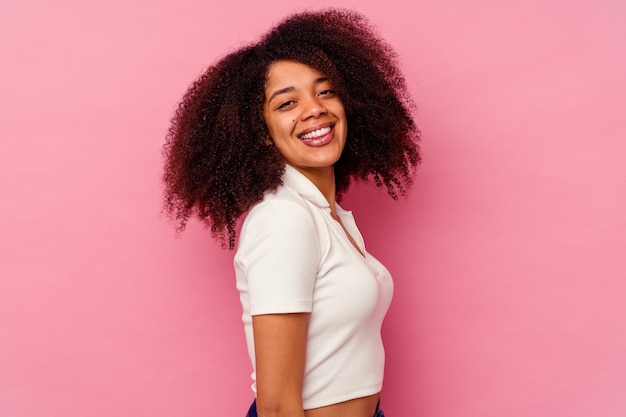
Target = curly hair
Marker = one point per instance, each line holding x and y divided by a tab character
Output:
217	159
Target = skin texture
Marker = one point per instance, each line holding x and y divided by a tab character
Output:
300	99
280	349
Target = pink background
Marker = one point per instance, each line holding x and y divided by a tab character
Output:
508	257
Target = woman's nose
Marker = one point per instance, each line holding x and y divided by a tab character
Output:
312	107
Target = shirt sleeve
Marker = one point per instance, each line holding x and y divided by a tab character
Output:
279	256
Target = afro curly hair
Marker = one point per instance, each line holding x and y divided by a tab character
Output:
217	159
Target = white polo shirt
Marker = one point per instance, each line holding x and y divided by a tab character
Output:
293	257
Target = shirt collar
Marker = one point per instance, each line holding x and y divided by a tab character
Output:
302	185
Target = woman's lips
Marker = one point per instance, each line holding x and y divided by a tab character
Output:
318	137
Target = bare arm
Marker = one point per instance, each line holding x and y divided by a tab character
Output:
280	350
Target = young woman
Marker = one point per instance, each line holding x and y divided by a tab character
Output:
278	130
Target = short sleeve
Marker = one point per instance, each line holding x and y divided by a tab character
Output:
278	257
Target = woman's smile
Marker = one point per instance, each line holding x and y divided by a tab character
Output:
318	136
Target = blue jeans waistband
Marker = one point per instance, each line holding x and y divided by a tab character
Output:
252	410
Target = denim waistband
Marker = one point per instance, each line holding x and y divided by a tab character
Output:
252	410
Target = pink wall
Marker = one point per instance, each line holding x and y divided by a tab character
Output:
508	257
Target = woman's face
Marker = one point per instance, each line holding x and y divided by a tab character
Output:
304	116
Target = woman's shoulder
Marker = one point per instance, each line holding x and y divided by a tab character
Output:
282	201
283	207
283	223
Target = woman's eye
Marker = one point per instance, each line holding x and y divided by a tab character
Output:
285	104
326	92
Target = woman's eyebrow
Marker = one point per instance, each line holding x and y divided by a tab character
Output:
279	92
290	89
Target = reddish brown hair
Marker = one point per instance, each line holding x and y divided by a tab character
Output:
217	161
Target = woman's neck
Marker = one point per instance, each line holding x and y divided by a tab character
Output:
324	179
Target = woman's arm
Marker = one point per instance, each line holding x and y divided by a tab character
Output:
280	351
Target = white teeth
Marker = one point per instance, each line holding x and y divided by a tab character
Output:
316	133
